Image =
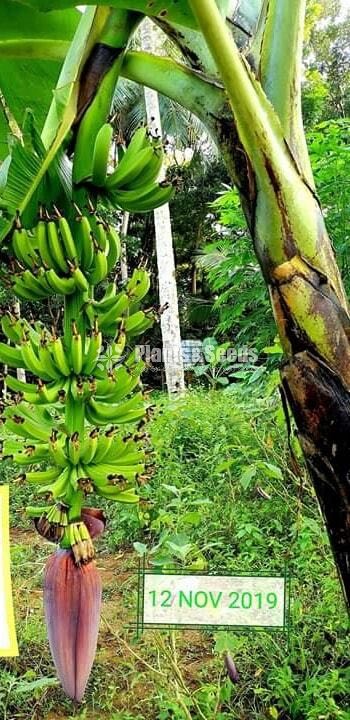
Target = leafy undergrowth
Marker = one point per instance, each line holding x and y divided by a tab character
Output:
223	497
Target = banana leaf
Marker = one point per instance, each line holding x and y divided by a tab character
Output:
25	81
174	11
19	172
28	178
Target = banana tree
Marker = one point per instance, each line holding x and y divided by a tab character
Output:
241	75
72	431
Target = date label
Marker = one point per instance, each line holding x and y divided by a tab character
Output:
214	600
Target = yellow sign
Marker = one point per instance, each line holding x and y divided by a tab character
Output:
8	640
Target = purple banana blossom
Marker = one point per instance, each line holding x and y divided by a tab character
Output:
72	602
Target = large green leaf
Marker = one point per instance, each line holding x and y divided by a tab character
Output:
19	174
29	82
175	11
31	162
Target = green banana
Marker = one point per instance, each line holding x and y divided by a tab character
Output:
59	355
26	428
101	155
123	496
138	142
84	243
99	268
35	512
93	351
59	285
89	447
80	280
74	478
32	454
120	448
76	351
114	413
132	322
67	240
141	327
23	249
43	245
46	360
10	329
151	172
33	284
102	474
104	445
106	387
119	307
21	290
60	487
43	476
108	299
101	235
56	447
127	172
77	389
74	448
31	360
156	196
133	459
44	395
114	248
38	415
118	346
138	285
55	247
121	383
19	386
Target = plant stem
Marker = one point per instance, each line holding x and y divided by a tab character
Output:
280	69
75	410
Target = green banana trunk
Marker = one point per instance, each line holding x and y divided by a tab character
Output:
294	251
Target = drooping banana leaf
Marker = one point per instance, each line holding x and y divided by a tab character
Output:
177	11
17	173
25	81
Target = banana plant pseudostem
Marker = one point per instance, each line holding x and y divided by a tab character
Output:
241	74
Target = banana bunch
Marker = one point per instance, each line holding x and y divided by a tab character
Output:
105	463
68	427
61	258
133	185
118	314
51	522
64	424
50	359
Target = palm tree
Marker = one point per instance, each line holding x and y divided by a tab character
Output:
170	324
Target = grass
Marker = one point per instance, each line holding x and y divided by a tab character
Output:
223	497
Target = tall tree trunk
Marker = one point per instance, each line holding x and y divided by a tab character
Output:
170	324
